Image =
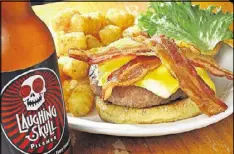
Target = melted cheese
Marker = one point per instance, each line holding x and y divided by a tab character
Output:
205	76
163	84
107	67
159	81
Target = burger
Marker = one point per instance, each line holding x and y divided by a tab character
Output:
132	84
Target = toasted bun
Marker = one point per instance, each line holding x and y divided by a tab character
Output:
177	110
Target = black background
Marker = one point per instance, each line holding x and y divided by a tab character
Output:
35	2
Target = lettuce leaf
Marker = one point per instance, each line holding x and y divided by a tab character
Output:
182	21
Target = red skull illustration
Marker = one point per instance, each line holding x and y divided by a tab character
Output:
32	91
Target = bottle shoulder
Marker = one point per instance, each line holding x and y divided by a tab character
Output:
26	42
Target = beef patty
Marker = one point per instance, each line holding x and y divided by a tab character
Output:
132	96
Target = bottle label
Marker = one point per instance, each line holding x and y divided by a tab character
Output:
33	116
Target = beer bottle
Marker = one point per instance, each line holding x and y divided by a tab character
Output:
33	116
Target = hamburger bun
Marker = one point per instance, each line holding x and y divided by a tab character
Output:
177	110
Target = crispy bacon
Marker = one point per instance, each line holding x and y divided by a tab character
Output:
195	59
78	54
206	62
112	52
115	52
190	82
212	68
131	72
199	60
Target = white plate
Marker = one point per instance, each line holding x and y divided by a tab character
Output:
93	124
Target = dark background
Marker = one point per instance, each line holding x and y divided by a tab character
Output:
39	2
35	2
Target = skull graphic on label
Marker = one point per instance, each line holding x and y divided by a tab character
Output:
33	91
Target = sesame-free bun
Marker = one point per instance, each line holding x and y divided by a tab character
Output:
174	111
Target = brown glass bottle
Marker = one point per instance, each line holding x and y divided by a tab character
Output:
33	118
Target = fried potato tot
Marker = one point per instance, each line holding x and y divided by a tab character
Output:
61	61
81	100
92	42
110	34
65	41
76	69
132	31
61	22
62	75
119	18
68	87
89	23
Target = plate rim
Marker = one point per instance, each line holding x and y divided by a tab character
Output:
105	128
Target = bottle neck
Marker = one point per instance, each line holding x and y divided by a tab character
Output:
15	10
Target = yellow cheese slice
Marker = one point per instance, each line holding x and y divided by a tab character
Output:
159	81
205	76
107	67
163	84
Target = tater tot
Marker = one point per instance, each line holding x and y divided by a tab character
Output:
76	69
132	31
68	87
110	34
92	42
135	32
61	61
89	23
65	41
63	76
81	100
119	18
61	22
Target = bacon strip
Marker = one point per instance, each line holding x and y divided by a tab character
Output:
195	59
212	68
128	74
78	54
115	52
112	52
190	82
206	62
199	60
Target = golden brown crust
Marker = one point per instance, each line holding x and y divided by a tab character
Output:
178	110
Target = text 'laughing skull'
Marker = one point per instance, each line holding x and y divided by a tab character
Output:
33	91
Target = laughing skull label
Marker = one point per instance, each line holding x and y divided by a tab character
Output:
33	91
33	116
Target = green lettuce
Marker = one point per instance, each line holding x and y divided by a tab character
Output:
182	21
